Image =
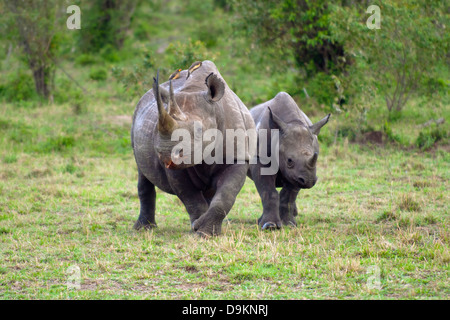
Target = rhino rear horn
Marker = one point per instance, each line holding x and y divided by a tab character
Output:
216	88
174	109
166	124
315	128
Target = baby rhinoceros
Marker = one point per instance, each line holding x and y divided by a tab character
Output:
186	109
298	153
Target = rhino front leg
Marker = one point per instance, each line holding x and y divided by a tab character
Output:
288	208
228	184
270	218
265	184
147	198
192	198
195	204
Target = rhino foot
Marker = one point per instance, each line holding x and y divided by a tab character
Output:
290	223
138	225
269	225
205	228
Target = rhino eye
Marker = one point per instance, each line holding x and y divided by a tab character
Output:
290	162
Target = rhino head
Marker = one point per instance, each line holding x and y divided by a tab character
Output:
299	150
198	113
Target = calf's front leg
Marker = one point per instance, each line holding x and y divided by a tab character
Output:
288	208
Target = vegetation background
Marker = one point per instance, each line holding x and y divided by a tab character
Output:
376	225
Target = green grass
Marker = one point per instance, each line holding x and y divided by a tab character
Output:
72	202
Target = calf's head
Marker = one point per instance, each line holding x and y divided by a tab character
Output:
188	115
299	150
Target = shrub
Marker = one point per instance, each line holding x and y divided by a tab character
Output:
106	23
299	28
429	136
86	59
18	87
183	54
98	74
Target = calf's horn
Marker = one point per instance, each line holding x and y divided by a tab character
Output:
312	162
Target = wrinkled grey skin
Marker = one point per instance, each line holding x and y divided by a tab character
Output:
207	191
298	153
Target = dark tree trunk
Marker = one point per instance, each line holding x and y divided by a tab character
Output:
41	81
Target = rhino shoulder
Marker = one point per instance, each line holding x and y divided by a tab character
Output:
284	98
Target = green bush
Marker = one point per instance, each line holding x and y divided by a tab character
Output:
106	23
389	133
429	136
86	59
18	87
183	54
322	88
98	73
138	79
301	29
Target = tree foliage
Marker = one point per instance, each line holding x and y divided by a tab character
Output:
32	25
294	27
105	23
412	40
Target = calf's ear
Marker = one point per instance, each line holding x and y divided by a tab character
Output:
315	128
216	88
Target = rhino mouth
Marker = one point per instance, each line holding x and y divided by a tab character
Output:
170	165
305	183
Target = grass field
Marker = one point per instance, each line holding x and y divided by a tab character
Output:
375	226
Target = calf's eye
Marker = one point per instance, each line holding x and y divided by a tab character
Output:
290	162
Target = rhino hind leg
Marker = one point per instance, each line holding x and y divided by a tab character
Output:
147	198
229	183
288	208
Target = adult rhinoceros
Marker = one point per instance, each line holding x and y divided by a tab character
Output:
298	153
195	104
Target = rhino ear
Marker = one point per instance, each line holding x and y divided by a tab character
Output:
315	128
216	88
278	122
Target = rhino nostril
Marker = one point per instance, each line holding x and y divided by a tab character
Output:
301	180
